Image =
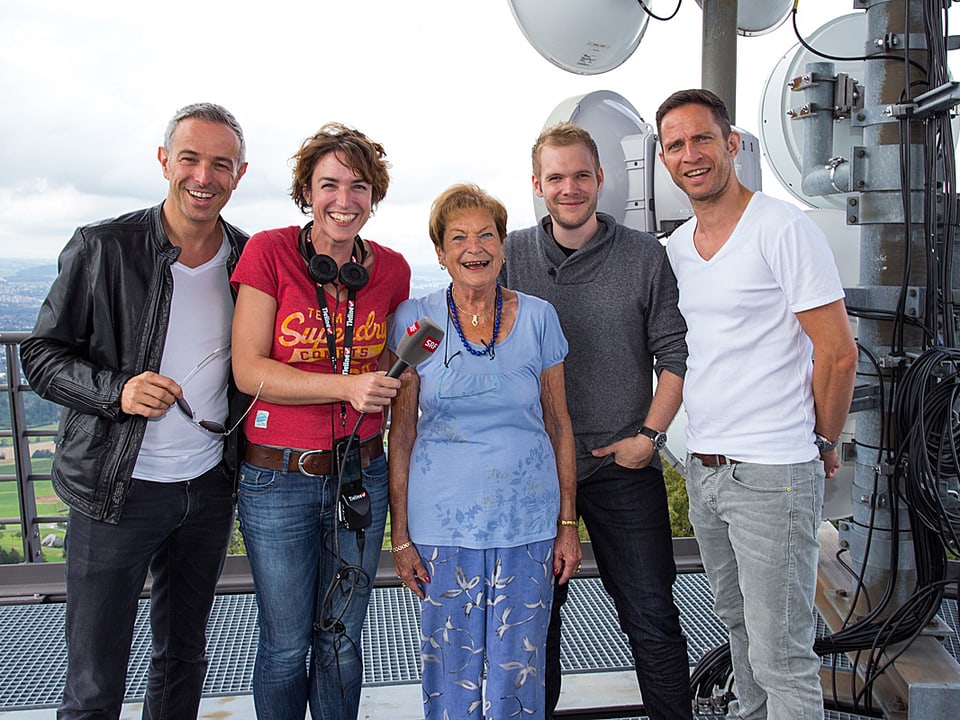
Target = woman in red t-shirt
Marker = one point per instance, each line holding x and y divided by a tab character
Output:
313	305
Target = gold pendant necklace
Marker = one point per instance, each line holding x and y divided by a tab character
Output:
475	319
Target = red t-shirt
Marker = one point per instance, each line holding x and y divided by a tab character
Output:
271	262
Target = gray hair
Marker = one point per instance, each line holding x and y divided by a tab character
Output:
208	112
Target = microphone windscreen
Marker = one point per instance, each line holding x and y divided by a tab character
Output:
420	341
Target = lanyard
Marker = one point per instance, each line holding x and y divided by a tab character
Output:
330	331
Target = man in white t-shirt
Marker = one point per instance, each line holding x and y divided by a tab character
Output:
769	380
137	321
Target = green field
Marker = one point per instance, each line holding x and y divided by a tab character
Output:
47	505
47	501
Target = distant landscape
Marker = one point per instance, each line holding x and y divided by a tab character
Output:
24	284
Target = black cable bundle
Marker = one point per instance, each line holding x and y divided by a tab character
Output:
927	424
710	681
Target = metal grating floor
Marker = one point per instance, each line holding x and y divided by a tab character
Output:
592	640
33	655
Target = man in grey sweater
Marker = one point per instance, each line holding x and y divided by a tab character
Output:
617	300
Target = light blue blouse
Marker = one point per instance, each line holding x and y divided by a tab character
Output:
482	472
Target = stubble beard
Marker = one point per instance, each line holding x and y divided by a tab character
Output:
588	212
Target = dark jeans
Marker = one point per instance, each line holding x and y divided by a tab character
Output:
625	512
179	531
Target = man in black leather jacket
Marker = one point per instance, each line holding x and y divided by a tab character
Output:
142	305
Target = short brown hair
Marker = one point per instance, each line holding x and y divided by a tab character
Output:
561	135
697	96
464	196
354	149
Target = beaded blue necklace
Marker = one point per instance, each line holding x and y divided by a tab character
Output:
487	349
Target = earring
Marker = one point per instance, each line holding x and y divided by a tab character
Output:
442	266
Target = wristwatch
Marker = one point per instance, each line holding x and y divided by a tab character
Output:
658	437
824	445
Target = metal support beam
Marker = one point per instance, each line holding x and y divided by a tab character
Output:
718	69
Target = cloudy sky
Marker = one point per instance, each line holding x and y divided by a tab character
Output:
451	88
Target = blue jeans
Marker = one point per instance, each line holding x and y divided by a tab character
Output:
757	530
626	514
179	531
289	525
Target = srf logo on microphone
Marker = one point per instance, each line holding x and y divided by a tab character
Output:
430	344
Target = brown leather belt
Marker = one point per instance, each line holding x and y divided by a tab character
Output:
713	460
315	463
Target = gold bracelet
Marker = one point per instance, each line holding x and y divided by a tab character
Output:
567	523
401	548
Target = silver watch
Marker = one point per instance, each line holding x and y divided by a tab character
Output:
658	437
824	445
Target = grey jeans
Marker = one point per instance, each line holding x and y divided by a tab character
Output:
757	530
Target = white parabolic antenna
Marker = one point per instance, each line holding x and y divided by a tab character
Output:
756	17
587	37
608	117
782	137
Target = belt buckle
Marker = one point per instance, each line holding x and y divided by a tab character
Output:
300	460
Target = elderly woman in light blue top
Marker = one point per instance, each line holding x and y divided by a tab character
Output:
482	473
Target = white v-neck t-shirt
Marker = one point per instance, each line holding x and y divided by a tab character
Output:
201	311
748	389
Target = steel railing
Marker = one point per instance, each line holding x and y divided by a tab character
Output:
38	580
28	518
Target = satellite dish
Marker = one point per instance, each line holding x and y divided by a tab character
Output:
587	37
756	17
781	137
608	117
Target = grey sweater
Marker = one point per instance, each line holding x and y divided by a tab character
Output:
617	301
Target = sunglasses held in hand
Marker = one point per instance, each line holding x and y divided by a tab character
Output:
211	425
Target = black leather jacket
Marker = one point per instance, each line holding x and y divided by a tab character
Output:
103	322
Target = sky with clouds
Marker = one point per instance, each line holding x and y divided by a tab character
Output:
451	88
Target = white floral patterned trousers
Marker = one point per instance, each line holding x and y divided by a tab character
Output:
484	631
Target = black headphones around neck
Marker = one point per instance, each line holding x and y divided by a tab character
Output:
323	268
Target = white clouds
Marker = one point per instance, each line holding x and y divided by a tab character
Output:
37	218
451	88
